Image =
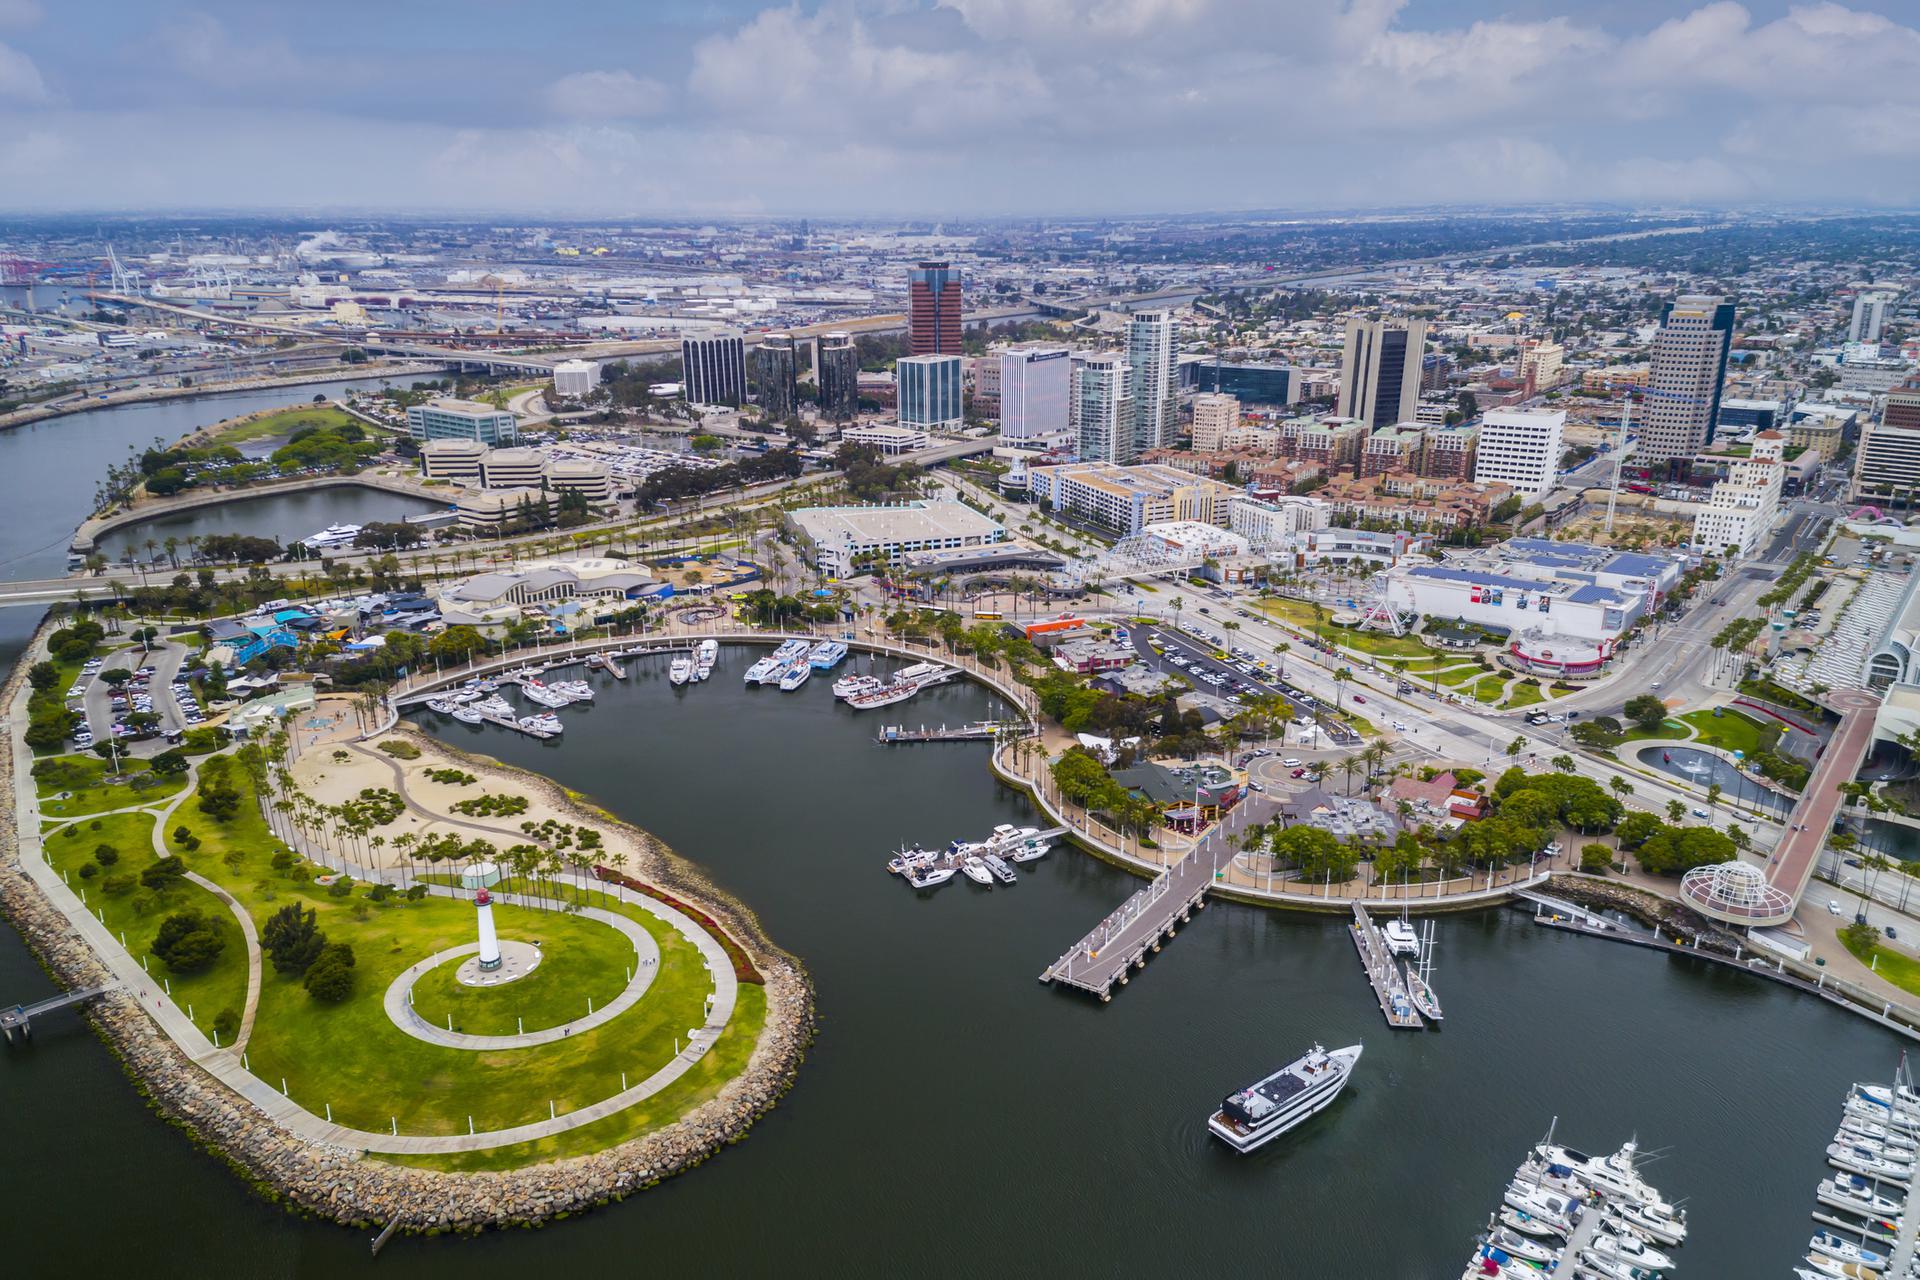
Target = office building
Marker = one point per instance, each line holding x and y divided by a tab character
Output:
1450	452
1689	367
840	539
1215	418
1126	499
575	379
714	368
775	375
1520	448
837	366
449	419
885	438
933	310
985	375
1156	391
1436	368
1101	408
1381	372
455	461
1250	382
1886	470
1541	360
1903	405
1869	317
929	392
1742	507
1035	390
1742	415
1269	521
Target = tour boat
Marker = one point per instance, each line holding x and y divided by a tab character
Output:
849	685
826	655
334	535
919	671
791	650
681	670
704	657
885	696
1261	1112
796	674
1401	939
977	871
761	671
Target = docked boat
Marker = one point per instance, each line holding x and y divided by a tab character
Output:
1401	939
681	670
494	705
1857	1159
998	865
461	696
467	715
849	685
704	656
1612	1175
1624	1246
545	724
1907	1099
334	535
762	671
1261	1112
1550	1207
1521	1220
1646	1221
1029	850
976	871
885	696
1891	1137
1855	1194
1590	1266
1421	993
1522	1247
1827	1244
1552	1177
796	674
1823	1268
826	655
920	671
440	706
1491	1263
791	651
926	877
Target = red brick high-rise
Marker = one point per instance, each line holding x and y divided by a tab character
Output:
933	310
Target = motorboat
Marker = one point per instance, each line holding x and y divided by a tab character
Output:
976	871
1550	1207
1523	1247
1031	850
1624	1246
334	535
1656	1226
796	674
1891	1137
573	690
1491	1263
440	706
998	866
459	696
681	670
1553	1177
1873	1112
544	725
1827	1244
1906	1099
1592	1266
467	715
1819	1268
849	685
1855	1194
1261	1112
1899	1151
1612	1175
1855	1158
928	876
1521	1220
705	654
1401	939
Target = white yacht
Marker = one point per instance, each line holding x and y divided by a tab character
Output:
334	535
1521	1220
1401	939
1649	1222
1030	850
976	871
796	674
1548	1207
440	706
1491	1263
1262	1112
998	866
1855	1194
1840	1249
681	671
885	696
1854	1158
467	715
704	657
1522	1247
928	876
1612	1175
1624	1246
848	686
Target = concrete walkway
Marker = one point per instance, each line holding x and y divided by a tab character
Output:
646	964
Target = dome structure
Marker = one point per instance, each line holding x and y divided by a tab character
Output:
1736	893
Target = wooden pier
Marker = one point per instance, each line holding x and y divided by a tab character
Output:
1383	971
18	1021
1100	961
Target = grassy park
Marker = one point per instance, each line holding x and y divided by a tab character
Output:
1897	967
580	960
73	786
1730	730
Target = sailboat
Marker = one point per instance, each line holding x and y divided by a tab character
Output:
1419	975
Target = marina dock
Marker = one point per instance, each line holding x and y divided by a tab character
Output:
979	731
1383	972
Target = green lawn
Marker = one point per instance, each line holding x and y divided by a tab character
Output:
1897	967
1461	675
580	960
284	423
1490	688
1525	695
1730	731
1668	728
1379	644
90	791
137	912
352	1057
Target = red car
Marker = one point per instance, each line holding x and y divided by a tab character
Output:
1299	773
1358	698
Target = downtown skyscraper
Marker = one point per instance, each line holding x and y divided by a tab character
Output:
1380	374
1687	369
933	310
1151	336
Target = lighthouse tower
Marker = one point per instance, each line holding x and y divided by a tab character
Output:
489	941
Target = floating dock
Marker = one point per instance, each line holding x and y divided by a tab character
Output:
979	731
1383	971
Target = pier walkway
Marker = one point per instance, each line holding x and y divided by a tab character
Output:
1383	972
19	1019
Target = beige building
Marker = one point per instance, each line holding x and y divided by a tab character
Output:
1215	415
456	461
489	510
512	469
1543	358
1126	499
591	480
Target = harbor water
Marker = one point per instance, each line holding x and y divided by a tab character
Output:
284	517
955	1117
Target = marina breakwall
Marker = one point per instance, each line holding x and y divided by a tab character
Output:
344	1185
94	528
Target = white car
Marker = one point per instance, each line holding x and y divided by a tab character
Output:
1833	906
1291	762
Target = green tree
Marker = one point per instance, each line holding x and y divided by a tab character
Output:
291	940
1596	857
1646	711
163	873
187	942
330	977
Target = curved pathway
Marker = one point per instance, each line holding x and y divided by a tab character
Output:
400	1008
255	971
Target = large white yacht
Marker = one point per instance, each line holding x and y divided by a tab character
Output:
1262	1112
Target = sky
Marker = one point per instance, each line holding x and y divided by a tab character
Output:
953	108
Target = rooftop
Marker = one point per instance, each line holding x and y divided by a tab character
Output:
911	522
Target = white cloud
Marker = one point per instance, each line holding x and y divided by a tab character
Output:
19	78
607	95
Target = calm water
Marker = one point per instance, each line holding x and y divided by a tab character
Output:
957	1118
284	517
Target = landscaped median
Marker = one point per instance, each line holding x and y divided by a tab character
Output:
389	1123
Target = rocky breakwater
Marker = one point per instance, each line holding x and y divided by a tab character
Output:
351	1187
1674	919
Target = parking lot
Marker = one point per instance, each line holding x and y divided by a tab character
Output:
1237	677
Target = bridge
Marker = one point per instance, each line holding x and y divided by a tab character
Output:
1739	893
18	1021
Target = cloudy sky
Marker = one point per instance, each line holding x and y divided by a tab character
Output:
932	107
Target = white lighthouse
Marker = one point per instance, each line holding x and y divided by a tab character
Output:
489	941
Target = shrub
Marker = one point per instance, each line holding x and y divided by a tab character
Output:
330	978
340	888
163	873
105	854
380	892
89	871
415	892
116	884
491	806
226	1024
187	942
1596	857
400	749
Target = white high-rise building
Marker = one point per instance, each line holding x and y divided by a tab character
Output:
1101	408
1869	317
1520	448
1215	417
1743	506
1156	387
1036	385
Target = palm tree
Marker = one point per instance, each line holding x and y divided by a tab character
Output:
1675	811
1713	796
1620	786
1563	763
1515	747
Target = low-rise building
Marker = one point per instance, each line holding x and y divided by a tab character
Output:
450	419
456	461
576	379
512	468
839	538
1267	522
1126	499
493	510
887	438
506	595
1414	502
591	480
